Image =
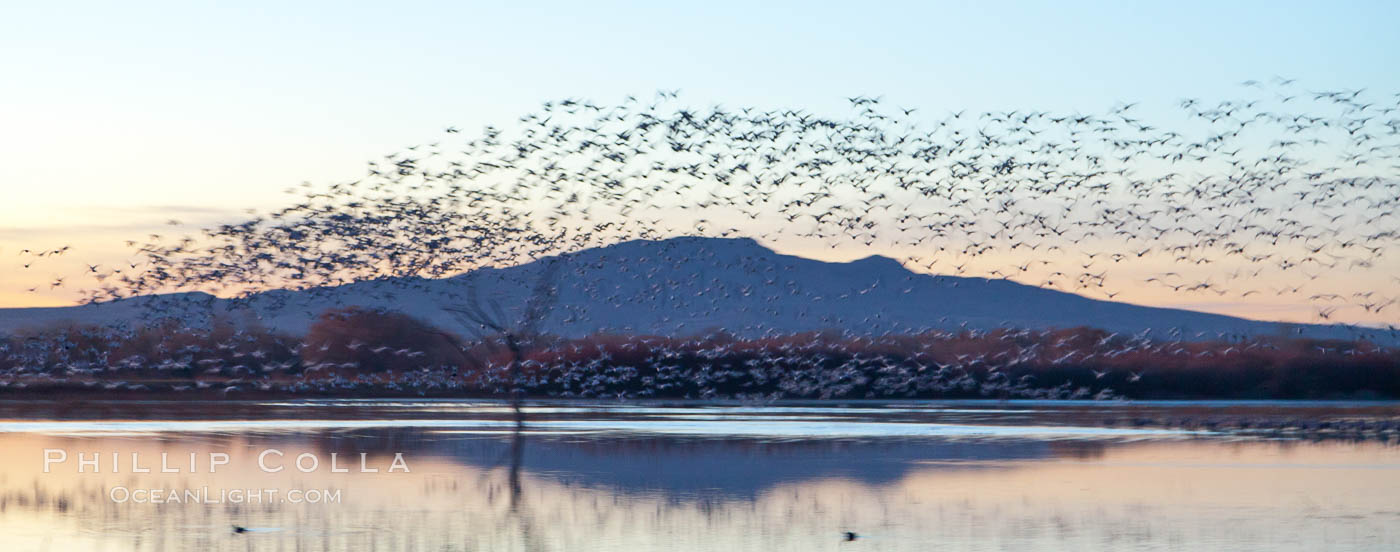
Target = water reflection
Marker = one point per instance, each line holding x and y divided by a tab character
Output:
545	488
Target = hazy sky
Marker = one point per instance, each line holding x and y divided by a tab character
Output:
115	117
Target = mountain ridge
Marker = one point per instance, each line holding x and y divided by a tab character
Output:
686	285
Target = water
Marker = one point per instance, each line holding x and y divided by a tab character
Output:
961	475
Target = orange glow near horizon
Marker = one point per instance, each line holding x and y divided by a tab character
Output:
106	248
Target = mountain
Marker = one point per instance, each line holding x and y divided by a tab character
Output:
684	286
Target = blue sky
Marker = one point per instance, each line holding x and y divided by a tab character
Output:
117	116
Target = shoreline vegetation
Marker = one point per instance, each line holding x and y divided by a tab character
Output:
369	353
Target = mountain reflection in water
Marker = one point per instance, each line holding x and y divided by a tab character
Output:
904	476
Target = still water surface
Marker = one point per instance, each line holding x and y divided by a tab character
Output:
703	476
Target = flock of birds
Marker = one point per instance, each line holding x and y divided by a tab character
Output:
229	361
1291	193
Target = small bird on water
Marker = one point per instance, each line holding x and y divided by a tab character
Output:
850	536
